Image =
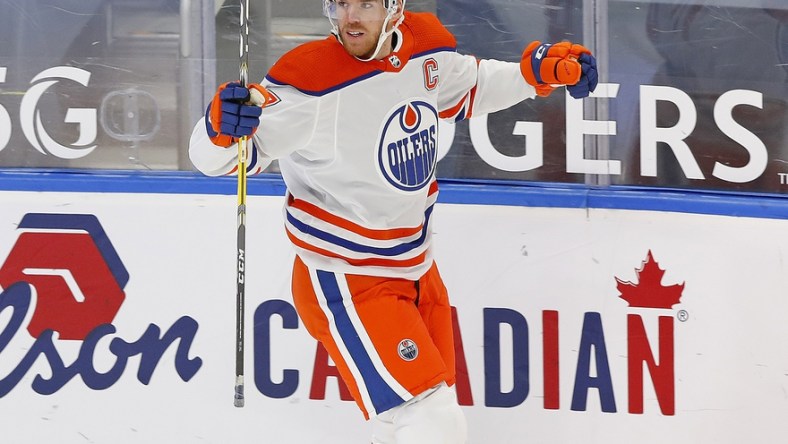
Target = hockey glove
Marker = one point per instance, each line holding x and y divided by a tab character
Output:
588	79
234	112
545	66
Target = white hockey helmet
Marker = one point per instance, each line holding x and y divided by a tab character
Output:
391	6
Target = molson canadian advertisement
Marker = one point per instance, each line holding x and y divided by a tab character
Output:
571	324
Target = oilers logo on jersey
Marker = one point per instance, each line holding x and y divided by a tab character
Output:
407	152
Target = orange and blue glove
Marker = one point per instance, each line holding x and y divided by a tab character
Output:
546	66
234	112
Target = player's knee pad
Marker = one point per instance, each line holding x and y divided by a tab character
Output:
433	417
383	430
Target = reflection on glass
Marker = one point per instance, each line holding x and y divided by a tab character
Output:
716	91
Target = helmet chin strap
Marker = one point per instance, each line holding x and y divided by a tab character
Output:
383	36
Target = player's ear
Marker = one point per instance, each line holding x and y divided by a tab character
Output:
400	11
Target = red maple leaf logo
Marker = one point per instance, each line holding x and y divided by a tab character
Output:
649	292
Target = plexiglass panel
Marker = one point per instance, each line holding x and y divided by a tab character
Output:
703	99
693	94
91	83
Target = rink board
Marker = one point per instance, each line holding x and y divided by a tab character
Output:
547	339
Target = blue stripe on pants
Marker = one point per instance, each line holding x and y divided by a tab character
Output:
382	395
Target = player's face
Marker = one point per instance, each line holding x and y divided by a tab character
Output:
360	23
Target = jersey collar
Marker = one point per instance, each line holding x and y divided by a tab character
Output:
400	55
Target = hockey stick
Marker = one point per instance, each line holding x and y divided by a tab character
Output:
238	400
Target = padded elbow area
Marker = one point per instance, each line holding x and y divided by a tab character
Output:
433	417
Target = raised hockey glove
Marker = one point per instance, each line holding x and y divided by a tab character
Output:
546	66
234	112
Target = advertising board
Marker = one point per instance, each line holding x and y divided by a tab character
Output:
573	324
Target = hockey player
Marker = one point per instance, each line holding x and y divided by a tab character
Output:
353	121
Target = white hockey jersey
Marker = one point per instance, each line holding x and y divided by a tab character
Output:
357	143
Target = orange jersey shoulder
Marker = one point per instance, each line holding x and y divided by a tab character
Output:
322	66
428	33
318	67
